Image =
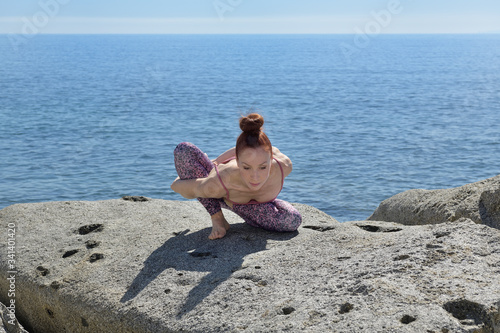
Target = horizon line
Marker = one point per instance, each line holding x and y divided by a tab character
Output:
255	33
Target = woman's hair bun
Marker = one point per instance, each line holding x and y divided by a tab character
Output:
251	123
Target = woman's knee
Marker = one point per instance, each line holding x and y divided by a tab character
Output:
278	216
190	162
184	148
292	221
289	216
286	220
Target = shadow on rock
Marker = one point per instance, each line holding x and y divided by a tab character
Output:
194	252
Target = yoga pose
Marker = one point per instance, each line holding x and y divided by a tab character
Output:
245	179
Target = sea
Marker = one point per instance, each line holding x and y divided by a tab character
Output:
97	117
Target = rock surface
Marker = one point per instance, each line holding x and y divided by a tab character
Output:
147	266
478	201
9	323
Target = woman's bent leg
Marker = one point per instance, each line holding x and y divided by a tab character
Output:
277	215
190	163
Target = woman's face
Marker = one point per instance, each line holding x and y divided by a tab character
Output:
255	166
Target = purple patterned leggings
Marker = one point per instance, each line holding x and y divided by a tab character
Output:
277	215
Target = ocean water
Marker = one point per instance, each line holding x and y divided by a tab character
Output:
93	117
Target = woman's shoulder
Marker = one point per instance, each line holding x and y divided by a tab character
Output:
283	160
211	186
229	175
227	167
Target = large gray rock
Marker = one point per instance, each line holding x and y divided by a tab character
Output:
9	323
147	266
478	201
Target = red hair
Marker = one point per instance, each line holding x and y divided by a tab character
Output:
253	136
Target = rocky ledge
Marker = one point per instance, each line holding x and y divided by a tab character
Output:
478	201
144	265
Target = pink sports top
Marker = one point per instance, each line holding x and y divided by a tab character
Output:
251	202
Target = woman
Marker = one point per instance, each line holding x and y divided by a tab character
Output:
245	179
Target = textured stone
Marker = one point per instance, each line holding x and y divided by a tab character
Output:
152	269
478	201
9	323
489	207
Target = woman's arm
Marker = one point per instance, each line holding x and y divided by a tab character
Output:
225	156
286	163
208	187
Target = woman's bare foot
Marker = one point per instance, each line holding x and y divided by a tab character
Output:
219	226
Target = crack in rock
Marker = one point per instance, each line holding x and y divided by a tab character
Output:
374	228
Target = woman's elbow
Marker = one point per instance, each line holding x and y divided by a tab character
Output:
174	186
288	167
177	187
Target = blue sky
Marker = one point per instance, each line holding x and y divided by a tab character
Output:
249	16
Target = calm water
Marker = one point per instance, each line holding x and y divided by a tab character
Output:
87	117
